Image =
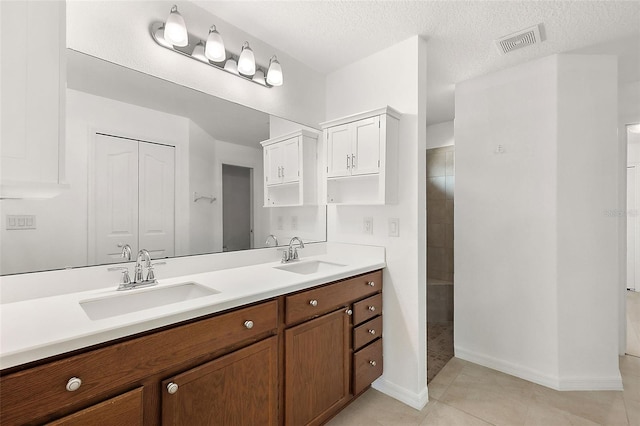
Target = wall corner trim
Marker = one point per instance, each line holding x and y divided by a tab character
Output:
412	399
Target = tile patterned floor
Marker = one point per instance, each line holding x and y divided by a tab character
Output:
439	347
464	394
468	394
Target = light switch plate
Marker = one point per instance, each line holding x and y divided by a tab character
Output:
20	222
394	227
280	224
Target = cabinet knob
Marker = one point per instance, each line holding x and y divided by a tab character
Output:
313	302
372	308
372	331
348	312
74	384
373	363
248	324
172	388
371	283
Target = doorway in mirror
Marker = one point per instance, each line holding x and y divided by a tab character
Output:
237	211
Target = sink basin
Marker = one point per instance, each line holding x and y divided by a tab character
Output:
309	267
129	301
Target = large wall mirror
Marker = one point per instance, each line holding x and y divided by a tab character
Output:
154	165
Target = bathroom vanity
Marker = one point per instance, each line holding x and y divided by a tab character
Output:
295	357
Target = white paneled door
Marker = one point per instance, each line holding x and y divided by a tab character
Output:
133	199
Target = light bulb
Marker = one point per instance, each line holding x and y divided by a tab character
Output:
199	53
274	75
247	62
258	77
231	66
214	49
175	29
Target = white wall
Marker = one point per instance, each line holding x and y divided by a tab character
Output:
371	83
118	31
535	255
202	220
440	135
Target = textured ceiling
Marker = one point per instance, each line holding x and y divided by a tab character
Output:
327	35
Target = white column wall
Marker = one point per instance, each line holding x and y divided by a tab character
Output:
396	77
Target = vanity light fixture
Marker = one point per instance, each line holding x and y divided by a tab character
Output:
247	61
175	29
214	49
274	75
173	35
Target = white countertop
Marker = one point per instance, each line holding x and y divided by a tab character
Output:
42	327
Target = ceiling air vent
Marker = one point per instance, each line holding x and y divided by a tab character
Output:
519	39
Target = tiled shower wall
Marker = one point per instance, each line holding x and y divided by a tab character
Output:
440	191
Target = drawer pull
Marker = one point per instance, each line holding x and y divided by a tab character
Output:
372	308
348	312
248	324
371	283
372	331
172	388
313	302
373	363
74	384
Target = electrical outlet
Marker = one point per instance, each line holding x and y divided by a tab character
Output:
367	225
280	223
394	227
294	223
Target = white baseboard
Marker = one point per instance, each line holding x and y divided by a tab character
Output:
412	399
553	382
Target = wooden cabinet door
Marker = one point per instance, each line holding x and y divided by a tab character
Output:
125	409
317	368
339	150
291	160
366	146
237	389
272	164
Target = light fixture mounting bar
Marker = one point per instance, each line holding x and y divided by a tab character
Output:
156	34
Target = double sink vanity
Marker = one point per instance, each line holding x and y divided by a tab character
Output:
265	343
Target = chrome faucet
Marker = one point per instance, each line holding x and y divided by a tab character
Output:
292	252
271	237
126	251
138	275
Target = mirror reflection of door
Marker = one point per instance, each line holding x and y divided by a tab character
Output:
237	212
133	198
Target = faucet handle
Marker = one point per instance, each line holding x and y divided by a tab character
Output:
151	276
126	279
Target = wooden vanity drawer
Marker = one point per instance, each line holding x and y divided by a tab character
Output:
126	363
317	301
367	366
367	332
367	308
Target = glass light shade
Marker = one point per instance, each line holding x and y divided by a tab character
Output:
247	61
258	77
199	53
214	49
175	29
231	66
274	75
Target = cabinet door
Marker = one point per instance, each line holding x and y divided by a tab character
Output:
291	160
366	146
338	151
237	389
317	368
125	409
272	164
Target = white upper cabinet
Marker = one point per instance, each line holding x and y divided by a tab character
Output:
33	98
362	158
290	169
